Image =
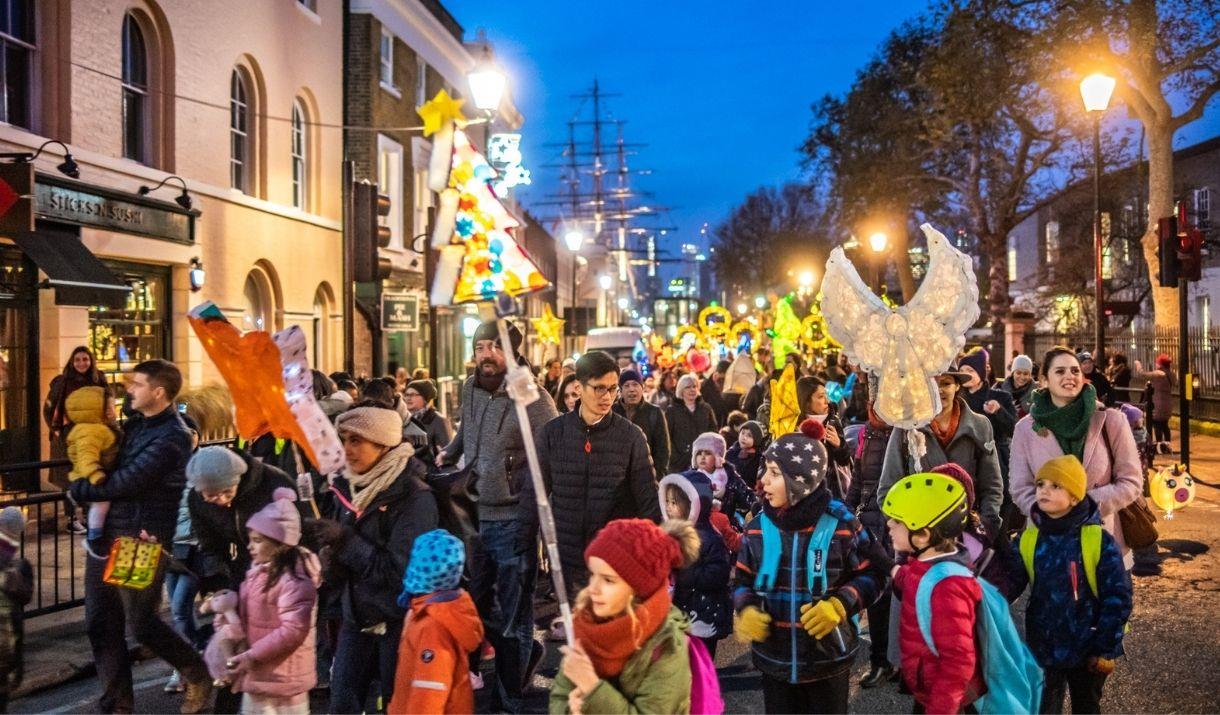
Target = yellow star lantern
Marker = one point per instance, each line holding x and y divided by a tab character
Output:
548	327
785	412
439	111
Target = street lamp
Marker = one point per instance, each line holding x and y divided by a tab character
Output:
879	242
742	308
1095	90
486	84
574	239
760	301
604	282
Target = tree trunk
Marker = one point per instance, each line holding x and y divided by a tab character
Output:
901	250
1160	205
998	301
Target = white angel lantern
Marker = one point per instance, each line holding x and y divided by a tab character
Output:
908	346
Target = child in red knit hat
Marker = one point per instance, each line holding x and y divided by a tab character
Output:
631	650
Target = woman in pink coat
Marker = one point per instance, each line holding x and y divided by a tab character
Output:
1065	418
277	610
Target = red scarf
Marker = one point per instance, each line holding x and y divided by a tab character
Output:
610	643
944	436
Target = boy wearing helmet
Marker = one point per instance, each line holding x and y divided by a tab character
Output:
926	515
806	566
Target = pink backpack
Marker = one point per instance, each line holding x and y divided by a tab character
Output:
704	685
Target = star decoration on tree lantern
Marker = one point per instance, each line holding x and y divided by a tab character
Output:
548	327
440	111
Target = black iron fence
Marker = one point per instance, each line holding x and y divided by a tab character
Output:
56	555
1145	346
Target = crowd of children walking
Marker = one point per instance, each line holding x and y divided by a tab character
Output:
794	543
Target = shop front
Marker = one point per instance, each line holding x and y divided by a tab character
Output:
97	270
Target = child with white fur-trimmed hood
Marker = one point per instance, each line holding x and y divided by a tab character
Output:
732	500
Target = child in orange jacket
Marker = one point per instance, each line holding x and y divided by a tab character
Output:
441	631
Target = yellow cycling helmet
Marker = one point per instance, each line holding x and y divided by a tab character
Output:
927	500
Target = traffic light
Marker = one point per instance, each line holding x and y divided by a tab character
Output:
368	233
1167	233
1190	255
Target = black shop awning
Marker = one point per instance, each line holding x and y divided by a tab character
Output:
77	275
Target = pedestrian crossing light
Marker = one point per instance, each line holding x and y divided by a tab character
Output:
369	234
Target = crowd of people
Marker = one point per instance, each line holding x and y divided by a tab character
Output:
408	582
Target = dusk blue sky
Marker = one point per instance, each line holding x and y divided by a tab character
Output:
720	91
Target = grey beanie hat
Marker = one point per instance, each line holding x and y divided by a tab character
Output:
375	424
214	468
1022	362
12	522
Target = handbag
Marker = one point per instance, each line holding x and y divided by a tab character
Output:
132	563
1136	519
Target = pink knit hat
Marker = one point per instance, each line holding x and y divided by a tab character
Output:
280	519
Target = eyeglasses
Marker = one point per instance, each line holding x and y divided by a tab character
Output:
601	390
411	393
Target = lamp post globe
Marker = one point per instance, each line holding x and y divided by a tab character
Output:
574	239
486	87
878	242
1096	90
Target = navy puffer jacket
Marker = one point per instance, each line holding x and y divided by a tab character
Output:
1065	624
146	487
701	590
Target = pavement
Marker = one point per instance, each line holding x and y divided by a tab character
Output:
1172	648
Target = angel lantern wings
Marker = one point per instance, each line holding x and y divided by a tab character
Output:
908	346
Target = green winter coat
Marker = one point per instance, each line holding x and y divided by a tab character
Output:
655	680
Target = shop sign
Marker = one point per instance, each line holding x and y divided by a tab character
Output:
83	205
400	311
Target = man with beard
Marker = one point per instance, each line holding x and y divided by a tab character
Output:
503	570
649	418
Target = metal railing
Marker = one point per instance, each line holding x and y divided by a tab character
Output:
1145	345
56	555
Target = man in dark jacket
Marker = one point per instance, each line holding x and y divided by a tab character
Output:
143	491
227	488
504	566
1105	393
596	468
687	418
648	417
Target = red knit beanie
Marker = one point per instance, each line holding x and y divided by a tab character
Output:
638	551
955	471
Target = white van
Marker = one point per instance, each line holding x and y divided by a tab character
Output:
619	342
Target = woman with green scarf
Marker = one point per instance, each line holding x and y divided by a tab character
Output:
1066	418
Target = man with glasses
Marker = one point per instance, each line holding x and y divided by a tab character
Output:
596	468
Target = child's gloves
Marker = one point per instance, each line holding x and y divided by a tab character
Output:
1102	666
752	625
819	619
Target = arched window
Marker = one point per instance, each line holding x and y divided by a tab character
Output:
323	332
135	91
300	157
240	156
258	309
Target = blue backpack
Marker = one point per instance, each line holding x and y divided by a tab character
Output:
1014	679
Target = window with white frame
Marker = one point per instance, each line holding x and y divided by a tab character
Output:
300	158
135	91
1203	206
389	182
421	81
16	72
239	132
1052	242
387	59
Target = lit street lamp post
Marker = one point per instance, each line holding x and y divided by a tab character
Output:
1095	90
574	239
878	242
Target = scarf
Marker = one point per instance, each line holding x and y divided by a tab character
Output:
944	436
1070	423
366	487
611	643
